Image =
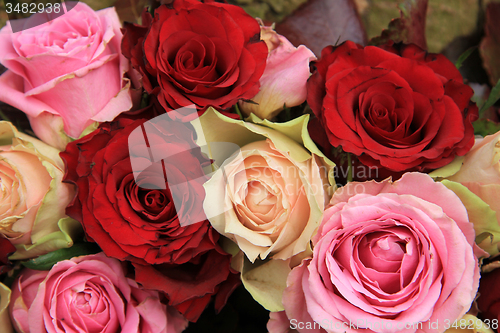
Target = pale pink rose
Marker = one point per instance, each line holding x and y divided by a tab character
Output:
88	294
388	257
284	80
70	67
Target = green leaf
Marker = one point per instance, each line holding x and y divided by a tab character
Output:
46	261
492	99
485	127
238	112
464	56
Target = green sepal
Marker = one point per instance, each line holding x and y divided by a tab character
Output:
46	261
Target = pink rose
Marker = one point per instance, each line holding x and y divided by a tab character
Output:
70	67
284	79
388	257
88	294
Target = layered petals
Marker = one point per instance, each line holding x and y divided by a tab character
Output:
394	106
388	257
76	74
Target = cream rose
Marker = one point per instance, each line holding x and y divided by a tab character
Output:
268	197
477	183
32	197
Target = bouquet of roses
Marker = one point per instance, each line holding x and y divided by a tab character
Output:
173	160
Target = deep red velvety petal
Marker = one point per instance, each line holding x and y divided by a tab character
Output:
379	125
226	288
193	308
187	282
421	78
451	131
240	17
133	33
489	298
195	20
437	62
341	104
6	249
112	221
143	224
230	74
316	83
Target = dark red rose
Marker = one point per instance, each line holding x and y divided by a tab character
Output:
489	296
207	54
6	249
186	285
126	206
395	107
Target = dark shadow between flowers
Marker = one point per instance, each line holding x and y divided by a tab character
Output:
240	315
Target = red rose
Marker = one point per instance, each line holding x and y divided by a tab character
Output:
136	219
6	249
396	107
489	297
207	54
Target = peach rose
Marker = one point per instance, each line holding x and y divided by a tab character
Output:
268	197
480	174
33	198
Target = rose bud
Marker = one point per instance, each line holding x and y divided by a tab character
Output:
284	80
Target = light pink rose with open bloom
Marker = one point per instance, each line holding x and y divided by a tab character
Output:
388	257
70	67
284	79
88	294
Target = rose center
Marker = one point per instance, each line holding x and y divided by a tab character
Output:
258	199
381	117
154	200
382	252
388	249
87	300
189	61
